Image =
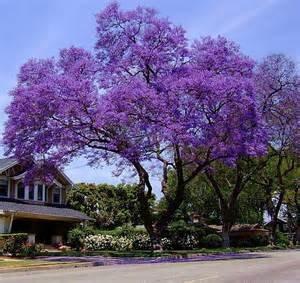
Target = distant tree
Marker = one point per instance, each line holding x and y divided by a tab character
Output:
201	199
277	87
251	205
278	84
109	205
292	202
228	184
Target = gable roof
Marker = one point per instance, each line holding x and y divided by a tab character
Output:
42	210
6	163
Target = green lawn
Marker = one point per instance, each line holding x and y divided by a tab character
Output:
15	263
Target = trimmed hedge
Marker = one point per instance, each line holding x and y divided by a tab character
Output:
212	241
251	241
282	239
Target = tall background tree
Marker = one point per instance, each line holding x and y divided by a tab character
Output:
278	84
109	205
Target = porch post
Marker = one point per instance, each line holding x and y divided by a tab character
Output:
26	192
11	222
9	187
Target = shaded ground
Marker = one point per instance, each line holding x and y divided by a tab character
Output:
282	266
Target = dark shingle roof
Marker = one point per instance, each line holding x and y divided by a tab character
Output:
7	162
43	210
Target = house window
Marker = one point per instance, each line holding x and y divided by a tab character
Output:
21	190
56	195
40	192
3	187
31	192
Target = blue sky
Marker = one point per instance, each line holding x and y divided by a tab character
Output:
39	28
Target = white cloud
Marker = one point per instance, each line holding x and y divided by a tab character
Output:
245	17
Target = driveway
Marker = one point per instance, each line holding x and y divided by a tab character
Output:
282	266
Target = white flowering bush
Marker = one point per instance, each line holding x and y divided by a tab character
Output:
107	242
188	242
122	244
99	242
136	242
166	243
141	242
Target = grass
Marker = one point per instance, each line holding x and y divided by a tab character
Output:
15	263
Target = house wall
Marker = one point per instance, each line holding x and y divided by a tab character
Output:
12	192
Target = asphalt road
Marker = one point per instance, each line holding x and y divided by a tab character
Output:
283	266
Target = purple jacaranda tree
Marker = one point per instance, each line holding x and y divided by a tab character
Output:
278	86
144	98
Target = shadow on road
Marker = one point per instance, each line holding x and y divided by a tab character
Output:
100	260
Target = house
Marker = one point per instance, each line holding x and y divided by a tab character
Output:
240	233
38	209
282	219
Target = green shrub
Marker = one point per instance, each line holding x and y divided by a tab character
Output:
75	238
281	240
251	241
130	231
13	243
259	240
212	241
183	235
124	231
77	235
31	250
183	229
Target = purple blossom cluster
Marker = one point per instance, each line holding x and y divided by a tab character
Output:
142	90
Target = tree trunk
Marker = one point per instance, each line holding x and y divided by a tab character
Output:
297	228
156	244
273	231
275	218
157	228
225	235
297	236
